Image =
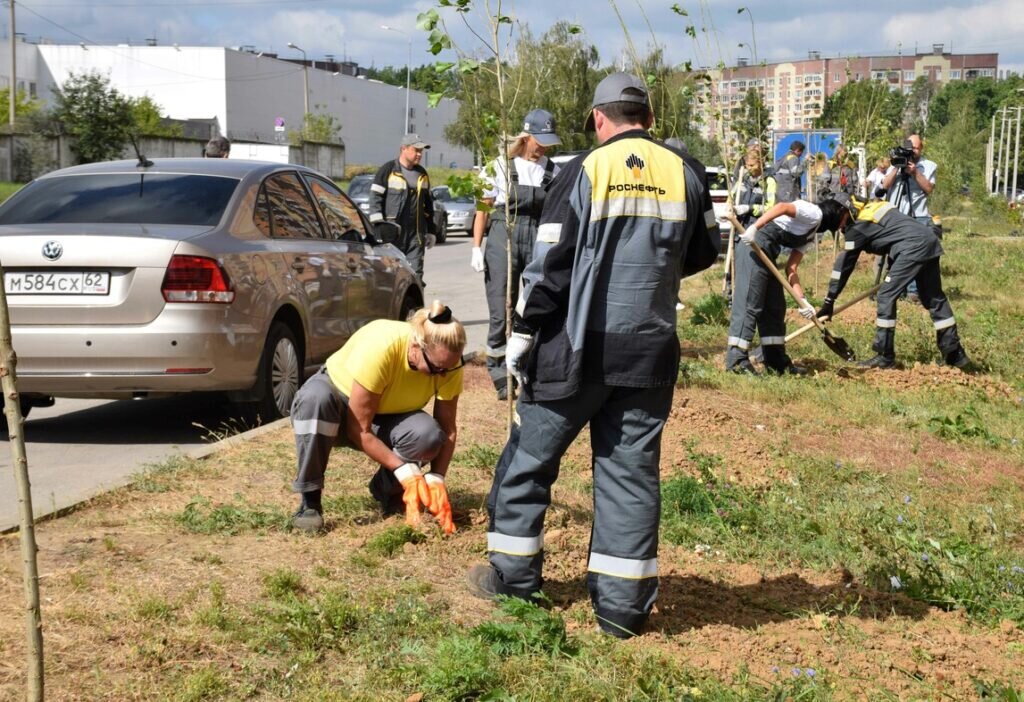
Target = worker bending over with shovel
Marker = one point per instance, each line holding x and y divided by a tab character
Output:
759	302
913	251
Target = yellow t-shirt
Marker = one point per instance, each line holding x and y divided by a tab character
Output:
377	358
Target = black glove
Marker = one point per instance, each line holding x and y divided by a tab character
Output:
827	308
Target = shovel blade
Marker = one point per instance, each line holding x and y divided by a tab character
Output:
838	346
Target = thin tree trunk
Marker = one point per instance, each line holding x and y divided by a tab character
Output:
12	407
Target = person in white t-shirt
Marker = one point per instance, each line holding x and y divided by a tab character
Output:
759	300
528	181
876	178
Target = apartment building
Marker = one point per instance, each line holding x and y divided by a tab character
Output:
795	91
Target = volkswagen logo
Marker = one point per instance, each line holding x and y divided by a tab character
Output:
52	250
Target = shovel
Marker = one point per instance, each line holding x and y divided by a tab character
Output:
835	344
811	325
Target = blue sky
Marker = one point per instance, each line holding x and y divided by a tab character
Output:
782	29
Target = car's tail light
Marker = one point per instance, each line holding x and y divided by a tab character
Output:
196	279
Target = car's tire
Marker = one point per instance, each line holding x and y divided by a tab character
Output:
280	373
442	231
409	305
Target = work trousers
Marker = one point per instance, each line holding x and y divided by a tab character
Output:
496	275
318	418
902	272
625	438
758	304
412	247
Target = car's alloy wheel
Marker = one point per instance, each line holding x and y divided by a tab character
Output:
280	373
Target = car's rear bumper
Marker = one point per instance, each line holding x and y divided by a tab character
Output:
187	348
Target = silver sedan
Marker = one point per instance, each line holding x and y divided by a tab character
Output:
127	280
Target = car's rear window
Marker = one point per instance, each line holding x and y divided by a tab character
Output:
128	198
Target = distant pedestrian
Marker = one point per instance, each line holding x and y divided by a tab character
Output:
788	171
401	194
217	147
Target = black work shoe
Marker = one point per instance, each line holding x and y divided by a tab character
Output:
389	504
308	520
878	361
791	369
958	359
744	367
483	582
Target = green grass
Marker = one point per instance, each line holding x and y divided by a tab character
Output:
200	516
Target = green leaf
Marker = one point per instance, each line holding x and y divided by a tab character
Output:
574	29
504	19
433	99
428	20
741	10
443	66
679	11
691	31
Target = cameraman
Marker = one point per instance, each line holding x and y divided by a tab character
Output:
909	184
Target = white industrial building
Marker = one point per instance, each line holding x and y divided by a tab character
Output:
249	94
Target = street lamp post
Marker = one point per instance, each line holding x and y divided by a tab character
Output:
408	70
305	82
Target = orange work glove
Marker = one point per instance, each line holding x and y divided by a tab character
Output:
416	492
439	505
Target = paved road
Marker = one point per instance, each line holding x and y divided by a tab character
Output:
78	449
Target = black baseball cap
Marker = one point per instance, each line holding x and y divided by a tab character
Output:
540	124
617	87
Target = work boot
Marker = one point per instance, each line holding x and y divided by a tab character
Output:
388	501
788	369
483	582
308	520
958	359
878	361
743	367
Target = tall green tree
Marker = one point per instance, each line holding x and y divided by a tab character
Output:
97	115
24	106
868	112
754	118
148	121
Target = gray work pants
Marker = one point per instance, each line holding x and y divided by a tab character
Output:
318	418
413	251
758	304
496	275
902	272
625	438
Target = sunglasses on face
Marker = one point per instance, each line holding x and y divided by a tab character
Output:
434	370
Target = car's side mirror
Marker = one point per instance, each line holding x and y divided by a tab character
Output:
387	232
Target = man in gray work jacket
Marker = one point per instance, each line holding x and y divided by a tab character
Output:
400	193
630	218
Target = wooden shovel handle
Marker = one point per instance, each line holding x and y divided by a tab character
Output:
807	327
785	283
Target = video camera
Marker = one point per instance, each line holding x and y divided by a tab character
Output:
903	155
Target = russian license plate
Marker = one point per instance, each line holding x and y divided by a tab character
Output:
64	283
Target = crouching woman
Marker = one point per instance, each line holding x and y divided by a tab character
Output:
370	395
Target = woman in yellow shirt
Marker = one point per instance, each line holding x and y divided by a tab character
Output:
375	388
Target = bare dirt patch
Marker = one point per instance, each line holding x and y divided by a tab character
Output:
125	585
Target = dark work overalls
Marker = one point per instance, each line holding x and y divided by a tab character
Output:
525	205
759	301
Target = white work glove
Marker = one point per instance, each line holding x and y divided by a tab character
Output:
476	259
747	237
806	310
741	210
516	351
429	240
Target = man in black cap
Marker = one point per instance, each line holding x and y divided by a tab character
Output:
527	182
594	341
217	147
400	193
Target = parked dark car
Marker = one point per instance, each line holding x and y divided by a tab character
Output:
190	274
